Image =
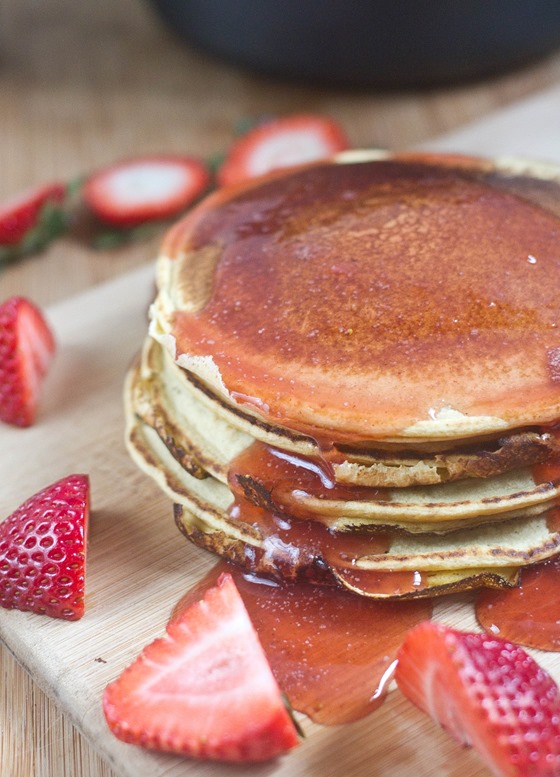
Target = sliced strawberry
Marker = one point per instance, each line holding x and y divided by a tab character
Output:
27	348
21	214
43	551
144	189
487	693
284	142
205	689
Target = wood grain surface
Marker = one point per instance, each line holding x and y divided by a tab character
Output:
82	84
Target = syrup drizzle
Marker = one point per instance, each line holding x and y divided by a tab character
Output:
549	470
332	652
284	479
268	498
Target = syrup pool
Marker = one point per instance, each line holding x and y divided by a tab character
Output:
529	614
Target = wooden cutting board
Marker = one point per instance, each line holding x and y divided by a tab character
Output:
139	567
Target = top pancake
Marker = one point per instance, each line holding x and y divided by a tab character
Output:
398	298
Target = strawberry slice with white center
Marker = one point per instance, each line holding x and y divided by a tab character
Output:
43	551
205	689
27	348
281	143
145	189
487	693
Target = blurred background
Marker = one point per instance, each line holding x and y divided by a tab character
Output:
85	83
82	83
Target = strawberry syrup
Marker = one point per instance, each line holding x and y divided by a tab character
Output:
268	486
288	479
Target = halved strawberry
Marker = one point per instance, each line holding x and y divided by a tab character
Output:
22	214
487	693
205	689
27	347
144	189
43	551
284	142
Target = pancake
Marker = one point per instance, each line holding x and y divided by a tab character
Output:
211	434
268	478
352	374
262	290
205	512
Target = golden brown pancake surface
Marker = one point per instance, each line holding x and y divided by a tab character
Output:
366	299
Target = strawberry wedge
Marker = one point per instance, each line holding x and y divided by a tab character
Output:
37	209
27	348
145	189
487	693
205	689
280	143
43	551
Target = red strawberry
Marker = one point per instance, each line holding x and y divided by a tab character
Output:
205	689
487	693
43	550
27	348
279	143
21	214
144	189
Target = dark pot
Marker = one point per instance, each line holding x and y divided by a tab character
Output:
376	43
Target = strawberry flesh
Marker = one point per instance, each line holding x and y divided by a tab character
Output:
487	693
205	689
43	551
27	348
21	214
145	189
281	143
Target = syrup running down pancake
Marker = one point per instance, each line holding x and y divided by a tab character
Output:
352	374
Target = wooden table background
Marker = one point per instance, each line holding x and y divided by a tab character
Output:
82	84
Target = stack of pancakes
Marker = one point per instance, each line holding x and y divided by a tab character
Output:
352	373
